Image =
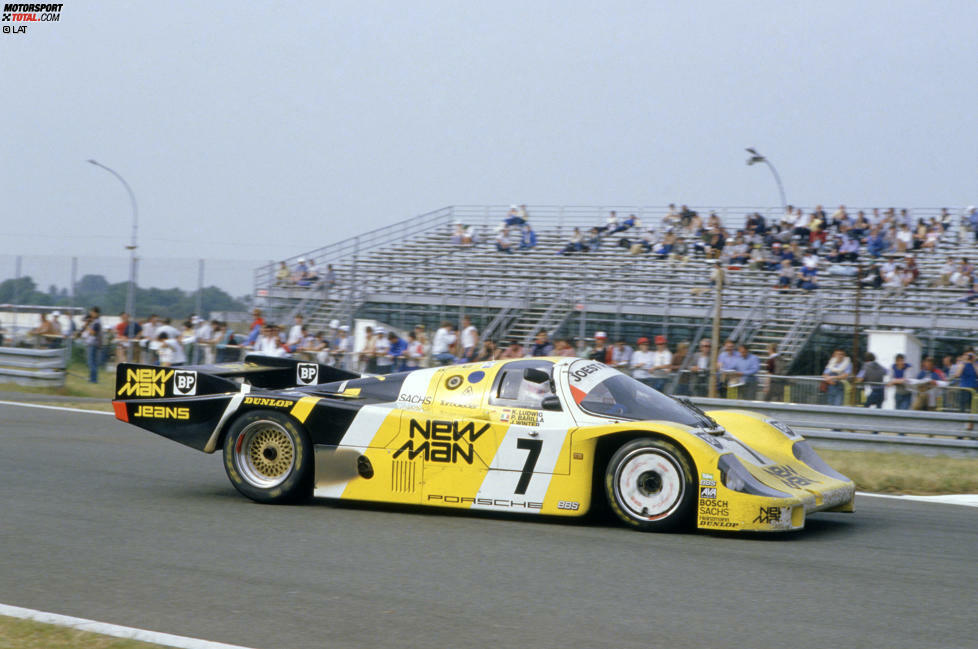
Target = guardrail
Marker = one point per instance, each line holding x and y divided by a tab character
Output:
33	367
906	429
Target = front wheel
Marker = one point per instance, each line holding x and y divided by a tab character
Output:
268	457
649	484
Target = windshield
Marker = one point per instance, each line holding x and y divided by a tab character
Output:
600	390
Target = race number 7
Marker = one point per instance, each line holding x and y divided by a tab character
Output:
533	446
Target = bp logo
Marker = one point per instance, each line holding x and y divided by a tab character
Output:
453	382
184	383
306	373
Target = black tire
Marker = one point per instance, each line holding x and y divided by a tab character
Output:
649	484
268	457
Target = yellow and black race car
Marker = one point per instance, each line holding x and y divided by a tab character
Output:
535	436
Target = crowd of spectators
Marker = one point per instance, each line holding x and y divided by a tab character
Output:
304	274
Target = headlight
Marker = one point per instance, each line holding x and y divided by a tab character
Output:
736	477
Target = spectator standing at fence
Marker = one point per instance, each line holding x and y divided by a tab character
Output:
541	344
601	352
442	343
621	356
342	348
383	362
365	355
661	363
563	347
726	365
295	333
929	378
414	353
965	372
126	334
397	347
513	350
700	368
838	369
873	374
469	338
744	372
900	373
642	360
683	377
91	335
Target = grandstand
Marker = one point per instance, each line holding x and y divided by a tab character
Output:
412	272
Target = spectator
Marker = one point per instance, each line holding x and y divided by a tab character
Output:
576	243
91	335
700	368
965	372
330	279
873	374
678	360
312	272
838	369
726	364
744	373
929	378
564	348
470	339
621	356
48	332
126	334
342	347
775	365
541	345
513	350
503	242
166	349
382	351
488	352
282	275
786	275
471	236
514	217
971	215
414	353
642	361
316	348
528	238
899	377
601	352
441	344
397	351
296	334
661	364
299	274
422	334
458	233
367	354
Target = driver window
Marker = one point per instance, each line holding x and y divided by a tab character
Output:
515	391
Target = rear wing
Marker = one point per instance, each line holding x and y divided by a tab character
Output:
134	381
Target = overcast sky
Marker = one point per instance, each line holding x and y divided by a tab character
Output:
259	131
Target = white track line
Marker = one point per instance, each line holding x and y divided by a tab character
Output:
113	630
969	500
37	405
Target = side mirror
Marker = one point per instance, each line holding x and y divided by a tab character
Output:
551	402
533	375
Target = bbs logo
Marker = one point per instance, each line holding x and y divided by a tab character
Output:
184	383
307	373
708	492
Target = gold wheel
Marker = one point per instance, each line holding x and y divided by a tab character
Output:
264	454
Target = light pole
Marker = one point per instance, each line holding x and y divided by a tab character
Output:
130	292
756	157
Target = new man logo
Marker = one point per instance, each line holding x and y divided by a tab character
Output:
442	441
145	382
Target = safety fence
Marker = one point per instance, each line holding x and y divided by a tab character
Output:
847	425
33	367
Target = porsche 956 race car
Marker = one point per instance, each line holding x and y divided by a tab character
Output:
550	436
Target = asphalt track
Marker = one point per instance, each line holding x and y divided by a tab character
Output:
104	521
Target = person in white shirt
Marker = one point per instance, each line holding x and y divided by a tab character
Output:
621	355
470	339
295	333
382	348
343	347
661	363
169	350
441	345
203	335
642	360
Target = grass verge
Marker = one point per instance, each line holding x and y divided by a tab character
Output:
26	634
899	473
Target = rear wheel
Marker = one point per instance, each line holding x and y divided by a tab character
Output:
268	457
649	484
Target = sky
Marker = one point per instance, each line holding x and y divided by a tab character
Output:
256	131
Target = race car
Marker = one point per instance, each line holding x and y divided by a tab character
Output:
552	436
